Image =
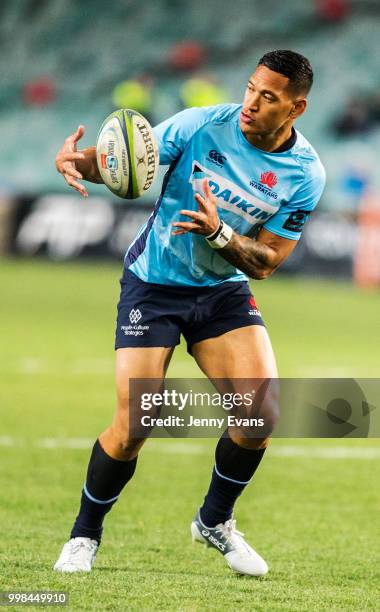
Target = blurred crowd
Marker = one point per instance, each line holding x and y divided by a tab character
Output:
360	115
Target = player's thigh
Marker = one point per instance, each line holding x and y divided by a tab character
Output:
125	436
140	362
245	352
242	361
149	365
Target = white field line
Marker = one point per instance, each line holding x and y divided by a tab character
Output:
187	447
37	366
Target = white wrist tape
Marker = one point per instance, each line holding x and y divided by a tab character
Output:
221	237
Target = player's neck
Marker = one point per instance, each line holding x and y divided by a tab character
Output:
273	141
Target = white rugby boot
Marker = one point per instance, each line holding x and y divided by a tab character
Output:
78	555
230	542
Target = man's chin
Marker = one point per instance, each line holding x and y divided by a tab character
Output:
248	129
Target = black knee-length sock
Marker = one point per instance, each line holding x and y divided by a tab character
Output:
106	477
233	470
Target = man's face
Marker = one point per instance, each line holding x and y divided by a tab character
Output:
267	103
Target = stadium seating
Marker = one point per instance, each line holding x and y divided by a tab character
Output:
86	48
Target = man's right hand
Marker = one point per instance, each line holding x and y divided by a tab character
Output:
74	164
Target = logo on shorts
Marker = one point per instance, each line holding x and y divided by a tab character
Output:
133	329
254	311
135	315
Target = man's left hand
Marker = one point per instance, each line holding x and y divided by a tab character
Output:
205	221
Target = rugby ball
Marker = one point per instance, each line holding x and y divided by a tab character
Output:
127	154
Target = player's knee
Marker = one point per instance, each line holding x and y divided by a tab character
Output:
258	420
250	443
117	442
130	415
269	410
123	395
258	423
270	415
130	448
127	447
135	402
129	427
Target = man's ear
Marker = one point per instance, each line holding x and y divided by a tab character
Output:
298	108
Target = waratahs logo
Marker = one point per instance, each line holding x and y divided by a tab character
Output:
269	179
253	307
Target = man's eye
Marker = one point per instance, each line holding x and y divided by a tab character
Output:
268	98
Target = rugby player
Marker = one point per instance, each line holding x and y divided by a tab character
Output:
241	184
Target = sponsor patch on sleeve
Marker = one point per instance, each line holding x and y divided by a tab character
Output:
296	220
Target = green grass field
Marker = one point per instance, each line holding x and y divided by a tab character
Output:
312	510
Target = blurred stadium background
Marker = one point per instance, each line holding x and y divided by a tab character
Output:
65	62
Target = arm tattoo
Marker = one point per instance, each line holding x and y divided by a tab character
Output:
254	258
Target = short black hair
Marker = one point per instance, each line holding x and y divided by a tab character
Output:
292	65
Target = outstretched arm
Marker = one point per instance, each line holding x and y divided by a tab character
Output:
257	257
77	165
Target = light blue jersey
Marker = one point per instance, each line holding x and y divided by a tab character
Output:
253	189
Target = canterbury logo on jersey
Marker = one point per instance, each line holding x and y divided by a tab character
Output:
231	197
216	157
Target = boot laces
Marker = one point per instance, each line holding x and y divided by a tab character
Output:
233	536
